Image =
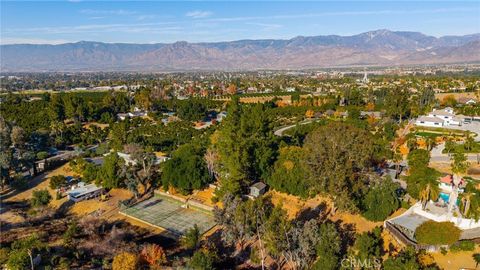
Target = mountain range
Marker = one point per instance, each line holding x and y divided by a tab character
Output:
374	48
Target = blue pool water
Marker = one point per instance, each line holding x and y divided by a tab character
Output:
446	197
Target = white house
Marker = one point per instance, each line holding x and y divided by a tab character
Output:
439	118
84	192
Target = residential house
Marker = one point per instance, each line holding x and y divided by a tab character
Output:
258	189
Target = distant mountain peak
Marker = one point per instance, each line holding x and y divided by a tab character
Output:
378	47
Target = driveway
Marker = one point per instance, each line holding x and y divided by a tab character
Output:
474	127
436	155
279	132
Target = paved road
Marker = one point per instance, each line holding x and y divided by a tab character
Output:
437	155
279	132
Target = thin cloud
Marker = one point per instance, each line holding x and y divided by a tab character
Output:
266	26
107	12
18	40
199	14
341	13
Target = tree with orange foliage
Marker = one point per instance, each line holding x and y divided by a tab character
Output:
449	100
153	254
232	89
370	106
309	113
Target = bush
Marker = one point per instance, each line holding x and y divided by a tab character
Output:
125	261
201	260
42	155
40	198
463	246
437	233
4	255
18	260
57	181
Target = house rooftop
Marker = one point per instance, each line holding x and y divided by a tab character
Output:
83	189
259	185
430	119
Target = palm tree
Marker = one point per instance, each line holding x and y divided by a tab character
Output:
476	258
469	142
459	166
397	158
429	190
430	143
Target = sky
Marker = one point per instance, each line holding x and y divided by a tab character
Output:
57	22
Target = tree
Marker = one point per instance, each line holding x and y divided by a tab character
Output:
57	181
420	179
125	261
418	158
469	142
290	174
437	233
192	110
341	159
202	260
143	171
459	164
186	170
368	245
153	254
449	146
406	260
476	258
109	172
245	145
328	247
192	238
40	198
381	200
449	101
397	103
429	190
18	137
24	248
309	114
277	230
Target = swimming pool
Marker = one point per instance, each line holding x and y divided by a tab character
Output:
445	197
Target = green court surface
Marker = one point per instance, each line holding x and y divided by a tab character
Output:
169	214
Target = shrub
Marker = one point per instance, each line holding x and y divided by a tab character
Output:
40	198
192	238
4	255
463	246
437	233
57	181
201	260
42	155
125	261
18	260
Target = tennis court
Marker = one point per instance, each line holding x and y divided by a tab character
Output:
169	214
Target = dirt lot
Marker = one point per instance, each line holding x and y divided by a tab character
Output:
445	167
457	260
107	209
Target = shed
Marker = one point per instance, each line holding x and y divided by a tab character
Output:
258	189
